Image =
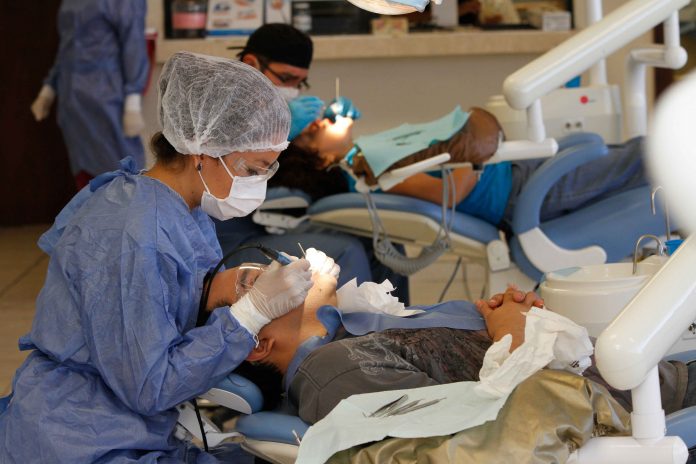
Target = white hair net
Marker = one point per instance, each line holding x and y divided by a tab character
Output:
215	106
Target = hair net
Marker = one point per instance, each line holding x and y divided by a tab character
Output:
215	106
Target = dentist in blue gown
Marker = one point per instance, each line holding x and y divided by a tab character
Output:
99	73
115	342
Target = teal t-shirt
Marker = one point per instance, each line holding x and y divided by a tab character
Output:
489	197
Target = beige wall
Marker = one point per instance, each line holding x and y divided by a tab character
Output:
390	91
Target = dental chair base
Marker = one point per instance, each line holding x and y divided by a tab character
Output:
612	450
648	443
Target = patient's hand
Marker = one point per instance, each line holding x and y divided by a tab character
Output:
509	316
517	295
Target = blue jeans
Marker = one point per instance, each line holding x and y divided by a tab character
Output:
622	169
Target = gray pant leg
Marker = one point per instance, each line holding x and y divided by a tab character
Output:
621	170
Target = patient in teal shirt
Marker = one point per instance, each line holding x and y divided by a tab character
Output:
488	192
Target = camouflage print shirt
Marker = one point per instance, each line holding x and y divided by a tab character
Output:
389	360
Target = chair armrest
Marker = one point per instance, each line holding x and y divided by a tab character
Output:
391	178
272	426
526	216
524	149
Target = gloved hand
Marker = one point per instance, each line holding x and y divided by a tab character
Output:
133	122
275	293
41	107
342	107
320	263
303	110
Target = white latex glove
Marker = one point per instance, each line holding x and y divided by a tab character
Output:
41	107
133	122
321	263
275	293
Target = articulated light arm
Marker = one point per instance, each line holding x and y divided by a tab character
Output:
655	319
584	49
395	7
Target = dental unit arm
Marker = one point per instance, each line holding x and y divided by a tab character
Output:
524	88
628	351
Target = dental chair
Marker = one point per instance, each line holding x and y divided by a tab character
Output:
604	231
627	352
275	435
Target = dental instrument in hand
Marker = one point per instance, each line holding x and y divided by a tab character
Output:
336	107
304	255
275	255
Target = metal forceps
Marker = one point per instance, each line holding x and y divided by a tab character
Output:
382	411
397	407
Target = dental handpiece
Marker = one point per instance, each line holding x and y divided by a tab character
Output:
275	255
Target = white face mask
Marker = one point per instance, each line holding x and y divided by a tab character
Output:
289	93
246	194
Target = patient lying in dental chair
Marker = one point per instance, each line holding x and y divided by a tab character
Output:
318	363
310	164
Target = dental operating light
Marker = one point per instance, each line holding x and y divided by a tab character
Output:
387	7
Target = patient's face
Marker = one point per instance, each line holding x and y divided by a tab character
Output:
300	323
331	140
289	331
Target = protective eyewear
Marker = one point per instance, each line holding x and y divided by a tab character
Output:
287	79
242	168
247	273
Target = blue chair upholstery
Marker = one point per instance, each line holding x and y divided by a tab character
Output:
614	223
272	426
683	424
462	224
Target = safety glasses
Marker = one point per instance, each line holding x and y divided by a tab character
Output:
287	79
240	167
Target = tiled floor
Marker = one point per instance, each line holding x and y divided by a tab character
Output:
23	268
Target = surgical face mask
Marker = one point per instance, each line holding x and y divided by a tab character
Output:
246	194
289	93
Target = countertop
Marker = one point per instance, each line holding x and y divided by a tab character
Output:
461	42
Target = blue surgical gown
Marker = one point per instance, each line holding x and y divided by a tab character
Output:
115	347
102	57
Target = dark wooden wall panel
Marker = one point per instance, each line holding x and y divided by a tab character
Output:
35	178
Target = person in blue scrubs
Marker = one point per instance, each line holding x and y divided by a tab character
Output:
284	54
100	72
117	341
